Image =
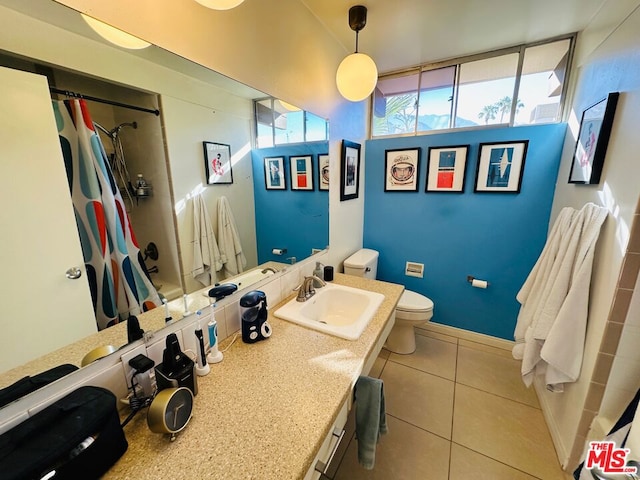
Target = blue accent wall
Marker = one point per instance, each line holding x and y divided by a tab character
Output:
492	236
292	219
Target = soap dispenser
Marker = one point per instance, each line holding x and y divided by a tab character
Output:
318	272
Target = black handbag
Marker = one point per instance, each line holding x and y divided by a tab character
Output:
78	436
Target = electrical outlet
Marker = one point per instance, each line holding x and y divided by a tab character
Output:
413	269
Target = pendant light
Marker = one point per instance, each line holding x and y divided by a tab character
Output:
357	74
220	4
114	35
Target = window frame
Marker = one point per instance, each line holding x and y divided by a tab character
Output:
305	113
457	62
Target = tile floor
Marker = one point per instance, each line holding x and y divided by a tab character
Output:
457	410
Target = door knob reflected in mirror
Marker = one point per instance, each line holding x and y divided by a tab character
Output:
73	273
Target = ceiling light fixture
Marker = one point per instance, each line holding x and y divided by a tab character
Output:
220	4
357	74
114	35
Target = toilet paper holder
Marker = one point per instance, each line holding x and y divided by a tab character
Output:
471	278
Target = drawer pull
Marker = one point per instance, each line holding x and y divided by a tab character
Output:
321	466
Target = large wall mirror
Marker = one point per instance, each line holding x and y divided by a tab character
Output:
196	106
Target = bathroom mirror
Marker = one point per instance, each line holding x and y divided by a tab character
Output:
193	76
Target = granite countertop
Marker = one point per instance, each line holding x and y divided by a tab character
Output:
264	411
116	336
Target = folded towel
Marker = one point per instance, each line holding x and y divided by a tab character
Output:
370	418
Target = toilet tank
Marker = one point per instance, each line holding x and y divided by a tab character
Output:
363	263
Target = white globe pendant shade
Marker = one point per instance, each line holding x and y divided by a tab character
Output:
115	35
357	77
220	4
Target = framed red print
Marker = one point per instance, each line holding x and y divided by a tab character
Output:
217	163
301	169
446	168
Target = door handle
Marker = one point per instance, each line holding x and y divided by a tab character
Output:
73	273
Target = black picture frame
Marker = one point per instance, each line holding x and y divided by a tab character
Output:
349	170
500	166
402	169
301	172
274	173
217	163
446	169
323	171
593	139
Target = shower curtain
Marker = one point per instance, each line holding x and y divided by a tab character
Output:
118	280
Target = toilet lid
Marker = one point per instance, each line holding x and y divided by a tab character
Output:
414	302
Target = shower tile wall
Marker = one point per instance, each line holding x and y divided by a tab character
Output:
614	380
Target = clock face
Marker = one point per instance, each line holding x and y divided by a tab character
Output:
171	410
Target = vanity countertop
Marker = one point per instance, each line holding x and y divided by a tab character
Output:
264	411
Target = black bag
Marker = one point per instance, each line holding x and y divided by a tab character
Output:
78	436
27	385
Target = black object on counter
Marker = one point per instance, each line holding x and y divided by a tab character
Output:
78	436
220	291
328	273
254	317
176	369
26	385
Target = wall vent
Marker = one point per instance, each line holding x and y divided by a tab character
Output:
413	269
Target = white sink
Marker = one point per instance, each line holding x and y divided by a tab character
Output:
335	309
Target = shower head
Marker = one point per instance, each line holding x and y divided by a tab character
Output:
114	131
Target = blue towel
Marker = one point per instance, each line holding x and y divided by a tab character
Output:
370	418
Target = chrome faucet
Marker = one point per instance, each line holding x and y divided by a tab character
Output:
306	289
269	269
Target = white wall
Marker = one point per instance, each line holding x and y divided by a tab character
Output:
186	126
613	66
278	47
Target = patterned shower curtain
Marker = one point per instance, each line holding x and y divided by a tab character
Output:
118	279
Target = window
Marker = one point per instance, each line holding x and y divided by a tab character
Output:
515	86
279	123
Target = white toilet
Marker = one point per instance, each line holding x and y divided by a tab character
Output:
413	309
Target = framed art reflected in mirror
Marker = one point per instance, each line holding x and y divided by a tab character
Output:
274	176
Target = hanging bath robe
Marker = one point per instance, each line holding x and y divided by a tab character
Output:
117	278
552	323
229	240
206	255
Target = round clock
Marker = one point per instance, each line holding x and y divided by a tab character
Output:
170	411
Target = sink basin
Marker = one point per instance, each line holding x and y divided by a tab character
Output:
335	309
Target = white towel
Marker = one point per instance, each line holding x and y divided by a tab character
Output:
206	255
552	322
229	240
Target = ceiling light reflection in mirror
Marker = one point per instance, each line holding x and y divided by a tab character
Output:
115	35
220	4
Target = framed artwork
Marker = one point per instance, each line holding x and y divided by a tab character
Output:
323	171
217	163
593	138
446	168
401	170
274	177
500	166
301	170
349	170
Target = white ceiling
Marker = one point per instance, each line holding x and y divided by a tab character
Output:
404	33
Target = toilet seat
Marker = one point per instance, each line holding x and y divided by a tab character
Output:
411	302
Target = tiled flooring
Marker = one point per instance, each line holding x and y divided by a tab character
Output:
457	410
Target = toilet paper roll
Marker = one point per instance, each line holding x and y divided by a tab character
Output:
479	283
278	251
